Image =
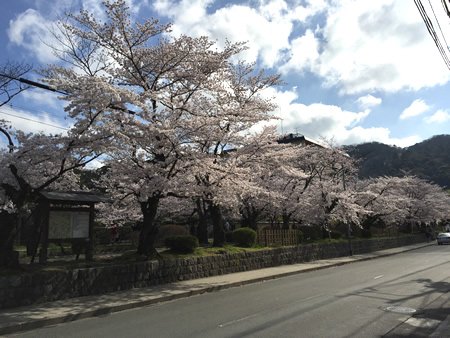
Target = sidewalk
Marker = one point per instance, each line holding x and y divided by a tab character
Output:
40	315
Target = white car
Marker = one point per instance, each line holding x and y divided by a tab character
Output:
443	238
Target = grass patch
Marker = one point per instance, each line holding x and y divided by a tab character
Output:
208	251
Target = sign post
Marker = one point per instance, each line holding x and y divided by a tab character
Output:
68	217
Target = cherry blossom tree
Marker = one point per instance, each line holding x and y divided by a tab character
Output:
30	164
381	200
321	192
36	163
281	183
424	201
392	201
173	106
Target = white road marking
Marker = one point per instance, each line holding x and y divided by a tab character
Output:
271	310
423	322
378	276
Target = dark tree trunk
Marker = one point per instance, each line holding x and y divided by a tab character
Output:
8	257
286	221
250	217
218	231
202	229
369	221
149	229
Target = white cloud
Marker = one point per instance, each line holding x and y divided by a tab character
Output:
416	108
377	45
30	30
267	28
362	45
137	5
32	122
304	53
440	116
41	97
331	122
95	7
319	121
368	101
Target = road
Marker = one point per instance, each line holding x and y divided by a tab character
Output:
363	299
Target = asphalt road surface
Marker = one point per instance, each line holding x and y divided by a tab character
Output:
363	299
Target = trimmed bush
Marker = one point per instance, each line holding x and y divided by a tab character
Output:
170	230
181	243
244	237
335	234
309	232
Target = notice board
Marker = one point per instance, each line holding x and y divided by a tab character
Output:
68	224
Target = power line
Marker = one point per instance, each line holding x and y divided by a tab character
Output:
32	83
439	25
43	86
35	121
35	111
432	32
446	8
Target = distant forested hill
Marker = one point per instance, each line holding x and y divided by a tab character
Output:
429	160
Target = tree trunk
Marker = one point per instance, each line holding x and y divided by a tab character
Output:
218	231
369	221
8	257
149	229
286	221
202	229
250	217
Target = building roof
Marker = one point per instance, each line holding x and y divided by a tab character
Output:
73	196
300	139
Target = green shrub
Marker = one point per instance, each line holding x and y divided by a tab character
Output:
170	230
301	237
335	234
181	243
244	237
309	232
366	233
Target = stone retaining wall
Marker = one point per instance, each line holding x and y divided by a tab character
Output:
54	285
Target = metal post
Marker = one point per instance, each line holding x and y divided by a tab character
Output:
90	245
44	238
349	233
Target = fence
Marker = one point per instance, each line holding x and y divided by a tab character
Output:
277	237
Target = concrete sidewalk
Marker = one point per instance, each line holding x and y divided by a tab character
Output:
45	314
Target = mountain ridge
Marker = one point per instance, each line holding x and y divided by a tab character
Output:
429	160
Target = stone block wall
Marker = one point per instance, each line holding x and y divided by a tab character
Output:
55	285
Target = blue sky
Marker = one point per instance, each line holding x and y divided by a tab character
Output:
356	70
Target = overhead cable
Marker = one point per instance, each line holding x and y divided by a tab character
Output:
439	25
432	32
53	89
446	7
32	83
35	121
